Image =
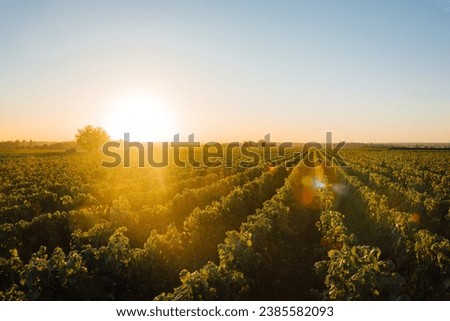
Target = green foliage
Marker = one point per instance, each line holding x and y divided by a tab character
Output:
91	138
208	283
54	278
334	231
377	230
10	269
357	273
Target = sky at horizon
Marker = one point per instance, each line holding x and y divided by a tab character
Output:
368	71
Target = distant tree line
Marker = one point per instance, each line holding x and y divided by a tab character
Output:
88	138
30	144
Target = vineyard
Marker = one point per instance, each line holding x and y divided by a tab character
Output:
377	229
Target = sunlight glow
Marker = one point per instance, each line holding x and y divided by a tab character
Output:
141	115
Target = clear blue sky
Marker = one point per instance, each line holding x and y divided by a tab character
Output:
374	71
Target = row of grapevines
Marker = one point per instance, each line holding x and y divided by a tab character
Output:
431	206
108	267
352	271
421	257
248	265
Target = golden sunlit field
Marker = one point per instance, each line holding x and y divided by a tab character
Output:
377	229
270	152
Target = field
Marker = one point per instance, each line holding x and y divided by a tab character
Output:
377	229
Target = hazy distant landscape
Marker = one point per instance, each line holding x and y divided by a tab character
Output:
224	150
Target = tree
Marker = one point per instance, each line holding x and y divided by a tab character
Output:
91	137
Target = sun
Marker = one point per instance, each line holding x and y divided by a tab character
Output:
142	116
